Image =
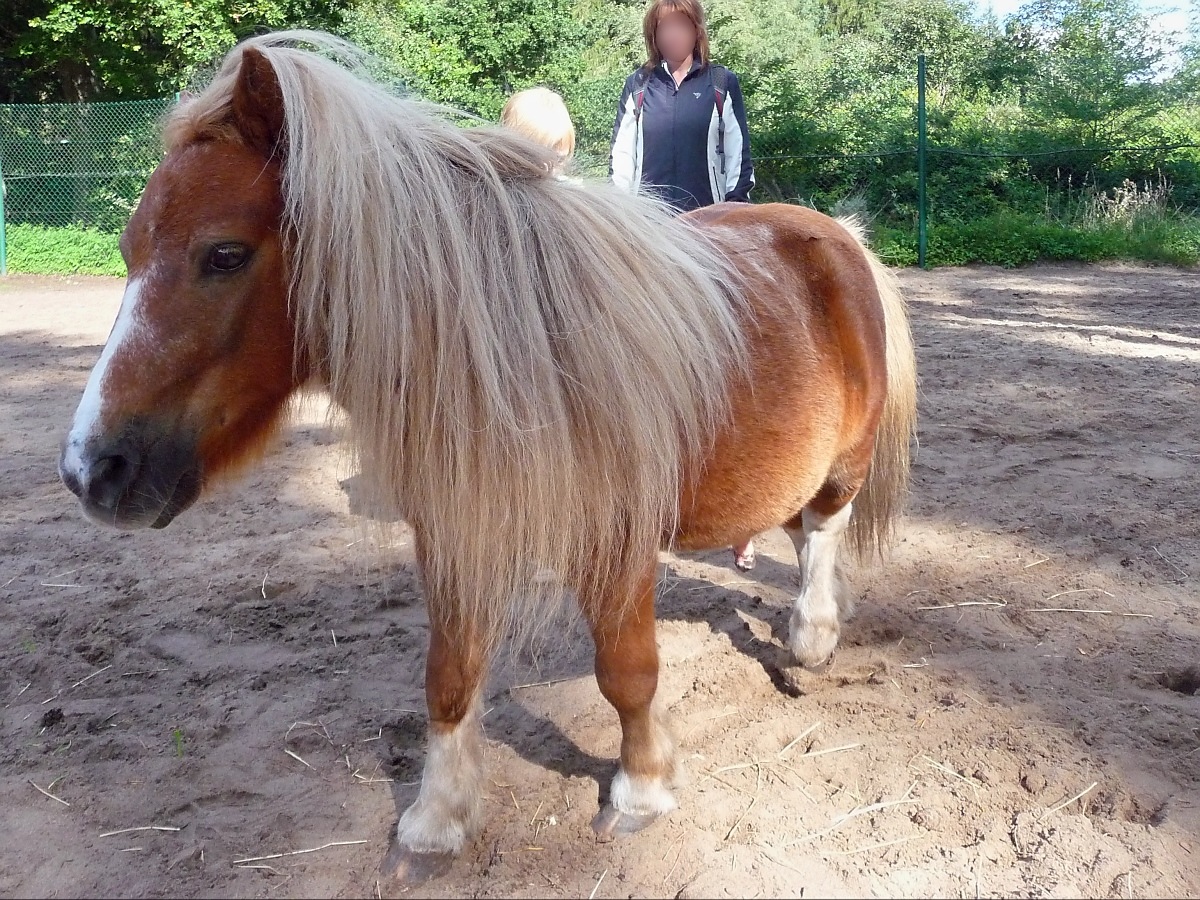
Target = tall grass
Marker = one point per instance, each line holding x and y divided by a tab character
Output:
1132	221
40	250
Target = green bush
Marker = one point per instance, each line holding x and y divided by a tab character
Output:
38	250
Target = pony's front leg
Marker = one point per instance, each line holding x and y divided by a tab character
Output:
448	809
627	674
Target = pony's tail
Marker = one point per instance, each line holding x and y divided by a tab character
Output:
882	496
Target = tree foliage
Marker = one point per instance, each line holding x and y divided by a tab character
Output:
830	85
472	53
68	50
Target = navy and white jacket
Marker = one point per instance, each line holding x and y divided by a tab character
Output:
670	148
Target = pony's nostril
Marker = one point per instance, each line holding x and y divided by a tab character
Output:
110	476
107	468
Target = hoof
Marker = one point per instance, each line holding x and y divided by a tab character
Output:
403	868
812	645
611	823
793	679
744	560
811	660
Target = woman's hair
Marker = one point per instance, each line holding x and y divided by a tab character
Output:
540	114
660	8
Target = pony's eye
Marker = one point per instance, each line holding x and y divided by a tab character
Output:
228	257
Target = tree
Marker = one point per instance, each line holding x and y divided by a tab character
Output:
945	31
839	17
471	53
1012	62
111	49
1099	59
1186	81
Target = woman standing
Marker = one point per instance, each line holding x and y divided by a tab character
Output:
681	129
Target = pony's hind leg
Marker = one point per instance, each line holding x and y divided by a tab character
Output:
448	809
627	674
743	556
814	627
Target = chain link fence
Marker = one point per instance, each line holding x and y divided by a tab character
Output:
76	165
82	167
1038	175
881	184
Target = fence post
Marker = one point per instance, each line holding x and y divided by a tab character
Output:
922	237
3	245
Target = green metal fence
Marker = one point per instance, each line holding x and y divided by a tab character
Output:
85	165
920	179
76	164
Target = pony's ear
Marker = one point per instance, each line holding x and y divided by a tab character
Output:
257	103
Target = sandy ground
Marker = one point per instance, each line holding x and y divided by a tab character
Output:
248	681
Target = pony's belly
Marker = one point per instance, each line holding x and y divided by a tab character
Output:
730	514
785	431
766	465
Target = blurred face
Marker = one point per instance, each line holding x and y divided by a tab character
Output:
675	37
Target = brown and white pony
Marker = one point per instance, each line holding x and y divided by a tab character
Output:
536	373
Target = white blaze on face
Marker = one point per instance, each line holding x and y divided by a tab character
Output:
86	425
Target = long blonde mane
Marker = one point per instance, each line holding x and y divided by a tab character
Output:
530	365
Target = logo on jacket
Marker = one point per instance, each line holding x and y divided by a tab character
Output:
697	94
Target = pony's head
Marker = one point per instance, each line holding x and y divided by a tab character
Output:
201	359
